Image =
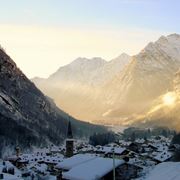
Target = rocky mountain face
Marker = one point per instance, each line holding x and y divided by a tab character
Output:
82	71
79	71
161	92
123	89
27	117
76	87
149	75
164	110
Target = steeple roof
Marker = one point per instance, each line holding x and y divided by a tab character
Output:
69	131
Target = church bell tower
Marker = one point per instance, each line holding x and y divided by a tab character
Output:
69	141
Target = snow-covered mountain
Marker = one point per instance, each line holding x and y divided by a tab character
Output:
95	71
121	89
106	72
149	75
76	85
164	110
79	71
27	117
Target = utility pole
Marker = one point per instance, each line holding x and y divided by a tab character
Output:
114	173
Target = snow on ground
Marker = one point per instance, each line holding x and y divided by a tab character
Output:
165	171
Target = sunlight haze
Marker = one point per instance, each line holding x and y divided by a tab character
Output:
42	35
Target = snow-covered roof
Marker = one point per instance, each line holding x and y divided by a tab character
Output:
141	141
8	165
141	163
41	158
163	156
55	149
125	143
119	150
11	177
86	149
92	170
75	160
107	149
38	167
165	171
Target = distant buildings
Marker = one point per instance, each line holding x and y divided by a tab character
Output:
78	160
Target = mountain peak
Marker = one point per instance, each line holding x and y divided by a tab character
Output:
86	63
162	39
83	60
122	58
172	38
123	55
174	35
165	44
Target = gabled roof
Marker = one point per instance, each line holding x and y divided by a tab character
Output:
93	169
74	161
163	156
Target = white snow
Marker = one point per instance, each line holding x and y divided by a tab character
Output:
163	156
92	170
165	171
74	161
106	149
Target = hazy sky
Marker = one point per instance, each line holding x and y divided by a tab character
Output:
42	35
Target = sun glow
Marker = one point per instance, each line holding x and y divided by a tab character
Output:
169	98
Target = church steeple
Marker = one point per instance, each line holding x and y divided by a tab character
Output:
69	141
69	131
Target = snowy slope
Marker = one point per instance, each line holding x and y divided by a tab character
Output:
80	70
75	87
117	90
165	171
149	75
27	116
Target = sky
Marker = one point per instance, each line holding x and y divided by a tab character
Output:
42	35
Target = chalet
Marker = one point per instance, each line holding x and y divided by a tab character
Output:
162	156
87	149
109	151
153	147
117	152
174	147
140	141
133	147
127	171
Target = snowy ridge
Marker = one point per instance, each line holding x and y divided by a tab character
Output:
149	75
90	71
124	87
